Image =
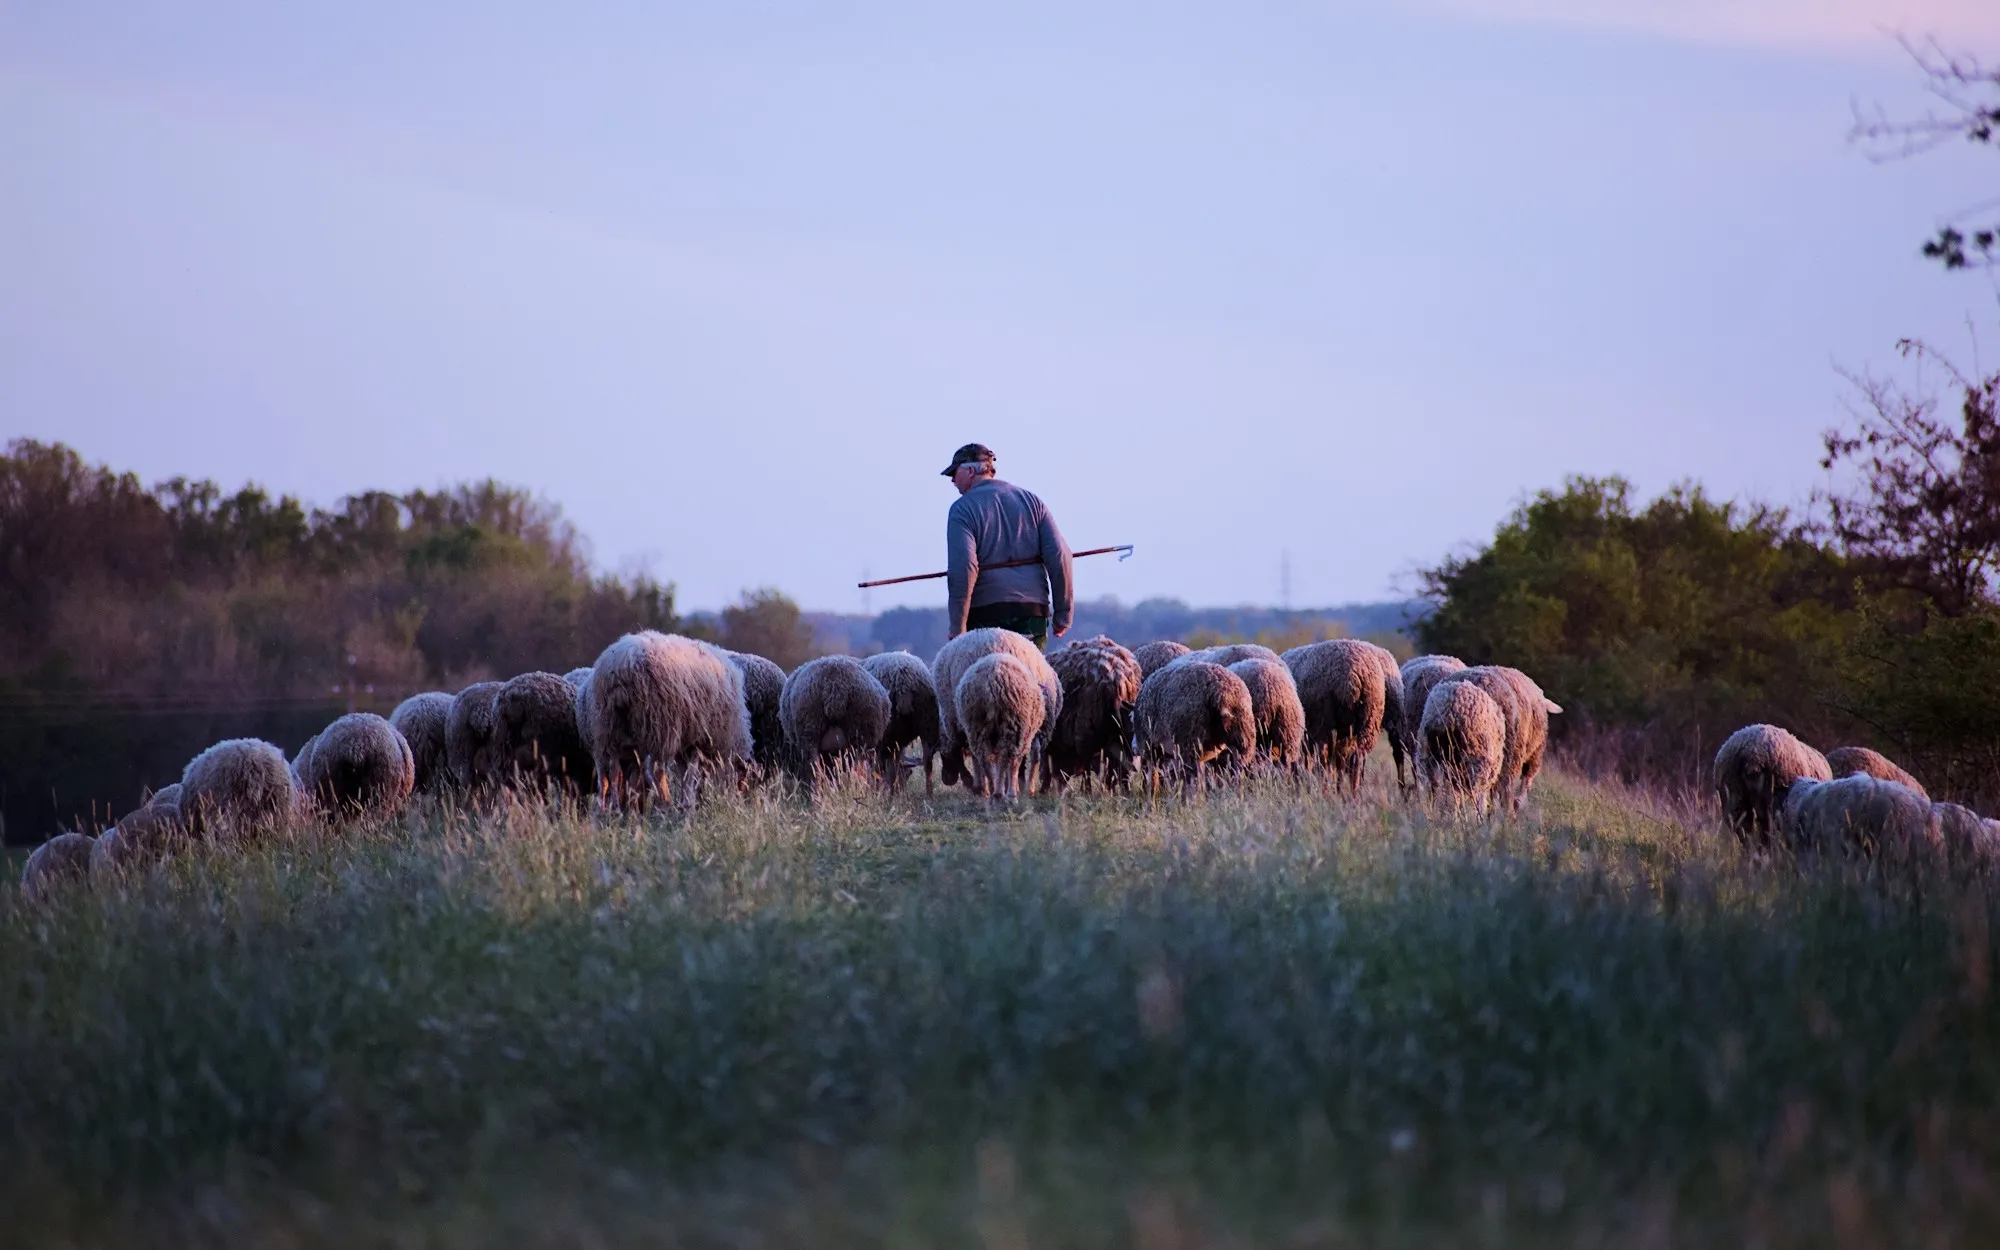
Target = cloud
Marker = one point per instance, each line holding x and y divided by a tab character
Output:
1971	26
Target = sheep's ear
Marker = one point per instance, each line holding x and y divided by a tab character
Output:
1553	707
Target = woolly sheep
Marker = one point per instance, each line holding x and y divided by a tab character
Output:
1754	769
1461	744
1274	703
1418	676
1343	693
763	687
169	794
302	760
1966	837
1154	656
424	721
1526	711
959	655
1189	714
660	708
1847	761
832	708
535	735
358	765
1858	814
237	789
1000	709
56	864
470	747
146	836
1232	653
913	711
1092	734
576	677
1402	746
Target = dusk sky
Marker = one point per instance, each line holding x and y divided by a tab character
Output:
730	282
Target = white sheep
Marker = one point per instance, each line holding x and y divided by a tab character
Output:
913	712
1847	761
959	655
358	765
1858	815
535	735
424	720
833	712
763	689
1280	716
1189	715
1000	709
470	747
1754	769
1154	656
1461	744
238	789
662	709
56	865
1343	692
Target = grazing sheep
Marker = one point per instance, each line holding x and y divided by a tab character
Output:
237	789
959	655
1859	815
1154	656
913	711
1847	761
1189	714
1000	709
56	865
1418	676
1092	735
1753	771
146	836
1233	653
358	765
169	794
763	687
470	748
424	720
302	760
1461	744
1526	711
1966	837
661	708
1275	705
1341	687
576	677
832	709
535	735
1402	746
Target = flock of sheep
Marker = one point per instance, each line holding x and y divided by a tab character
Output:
1774	787
659	716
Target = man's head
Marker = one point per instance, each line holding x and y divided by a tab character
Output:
970	465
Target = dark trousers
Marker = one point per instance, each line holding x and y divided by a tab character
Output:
1028	620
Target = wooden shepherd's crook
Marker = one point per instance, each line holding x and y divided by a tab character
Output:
1124	553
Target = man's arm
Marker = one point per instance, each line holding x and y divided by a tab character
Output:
961	554
1062	582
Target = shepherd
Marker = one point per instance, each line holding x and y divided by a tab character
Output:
993	522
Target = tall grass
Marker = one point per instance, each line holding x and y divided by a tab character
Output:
1259	1017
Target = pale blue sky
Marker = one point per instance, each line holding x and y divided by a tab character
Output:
729	282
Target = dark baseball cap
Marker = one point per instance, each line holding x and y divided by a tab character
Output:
971	453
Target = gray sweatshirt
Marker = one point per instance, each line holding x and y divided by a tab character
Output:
997	521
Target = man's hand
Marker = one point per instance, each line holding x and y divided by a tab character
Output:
1062	631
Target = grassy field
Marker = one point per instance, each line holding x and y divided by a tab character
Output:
1256	1019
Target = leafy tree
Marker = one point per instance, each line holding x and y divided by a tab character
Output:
767	623
1925	511
1671	624
1924	682
1969	94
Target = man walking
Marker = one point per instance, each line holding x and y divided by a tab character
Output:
991	523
